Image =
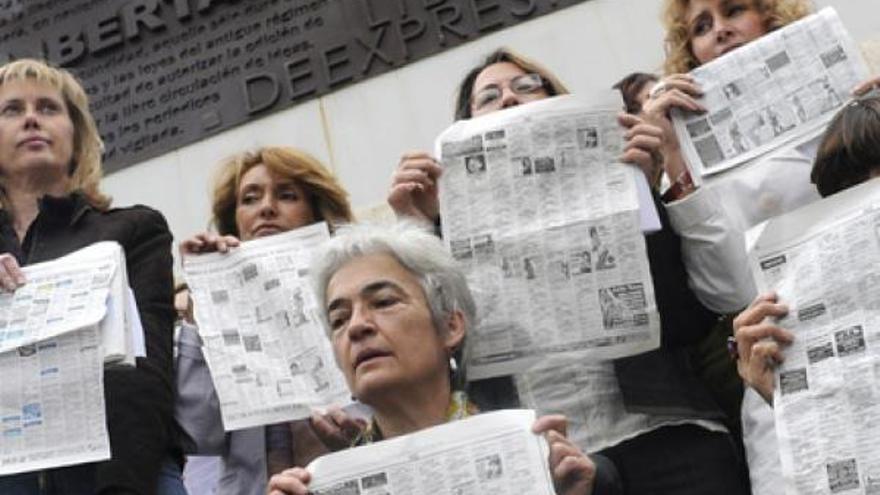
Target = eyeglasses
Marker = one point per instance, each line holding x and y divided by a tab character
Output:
490	96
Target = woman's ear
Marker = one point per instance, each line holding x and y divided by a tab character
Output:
456	328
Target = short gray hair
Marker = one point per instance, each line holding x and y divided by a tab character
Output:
418	250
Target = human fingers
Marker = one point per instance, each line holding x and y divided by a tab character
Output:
415	155
415	177
766	354
402	201
422	161
349	425
628	120
747	338
11	276
759	370
208	242
327	431
293	481
570	468
865	86
645	142
680	82
673	98
643	128
641	158
555	422
754	313
226	242
192	245
427	166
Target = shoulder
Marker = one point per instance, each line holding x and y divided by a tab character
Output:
136	212
137	220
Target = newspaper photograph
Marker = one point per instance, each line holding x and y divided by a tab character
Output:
823	261
493	453
545	222
783	87
52	403
266	349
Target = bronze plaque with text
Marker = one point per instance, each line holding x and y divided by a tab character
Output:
165	73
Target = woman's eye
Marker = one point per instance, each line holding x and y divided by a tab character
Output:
336	321
385	302
486	97
49	108
701	27
9	110
248	199
289	195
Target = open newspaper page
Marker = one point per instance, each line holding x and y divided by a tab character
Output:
122	335
589	396
59	297
824	262
545	223
783	87
266	349
493	453
52	403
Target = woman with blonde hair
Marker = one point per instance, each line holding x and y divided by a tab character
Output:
256	194
699	31
50	171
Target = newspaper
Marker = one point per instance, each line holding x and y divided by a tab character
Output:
59	297
263	341
590	398
781	88
545	222
824	262
52	403
122	333
491	453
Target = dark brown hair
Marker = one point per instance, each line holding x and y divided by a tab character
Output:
850	150
552	85
630	87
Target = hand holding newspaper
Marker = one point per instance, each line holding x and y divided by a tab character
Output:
493	453
265	347
545	223
74	314
823	261
781	88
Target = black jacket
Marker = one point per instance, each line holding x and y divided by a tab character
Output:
662	382
139	401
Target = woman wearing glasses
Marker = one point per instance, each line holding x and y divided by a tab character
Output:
662	427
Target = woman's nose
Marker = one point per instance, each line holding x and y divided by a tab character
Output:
360	323
509	98
268	207
723	30
31	118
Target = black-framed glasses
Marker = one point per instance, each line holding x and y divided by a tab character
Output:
490	96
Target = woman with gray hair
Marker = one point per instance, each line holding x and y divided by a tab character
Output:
397	311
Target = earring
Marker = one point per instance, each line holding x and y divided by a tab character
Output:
453	364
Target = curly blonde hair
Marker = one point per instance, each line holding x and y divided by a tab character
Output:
327	198
680	57
85	168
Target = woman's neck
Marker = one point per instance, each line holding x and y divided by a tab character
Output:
409	412
24	195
